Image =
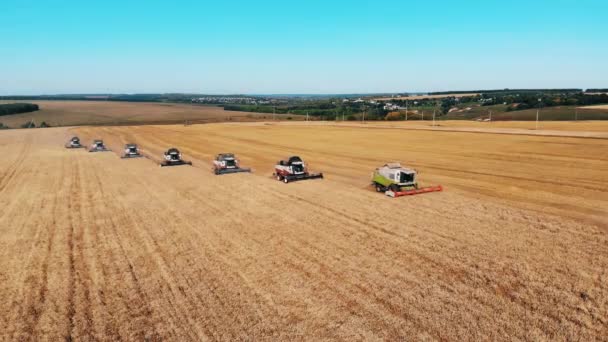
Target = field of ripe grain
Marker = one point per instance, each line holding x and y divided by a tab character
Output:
528	127
579	129
74	113
95	247
557	113
605	107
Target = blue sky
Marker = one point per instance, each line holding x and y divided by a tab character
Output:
52	47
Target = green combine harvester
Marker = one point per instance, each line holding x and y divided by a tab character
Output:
396	181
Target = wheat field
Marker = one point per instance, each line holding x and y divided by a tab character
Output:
93	247
74	113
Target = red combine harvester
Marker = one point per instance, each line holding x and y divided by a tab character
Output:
293	169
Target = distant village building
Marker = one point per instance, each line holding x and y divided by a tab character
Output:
229	99
391	107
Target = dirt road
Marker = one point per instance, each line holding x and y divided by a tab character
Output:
94	247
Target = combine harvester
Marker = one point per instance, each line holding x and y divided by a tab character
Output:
74	143
98	146
293	169
396	181
173	158
227	163
131	151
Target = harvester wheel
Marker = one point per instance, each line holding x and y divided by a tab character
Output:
395	188
379	188
285	180
279	178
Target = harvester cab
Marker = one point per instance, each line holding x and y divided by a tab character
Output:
396	181
131	151
98	146
227	163
74	143
293	169
173	157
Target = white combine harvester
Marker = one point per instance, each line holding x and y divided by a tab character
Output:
98	146
131	151
173	158
227	163
293	169
74	143
396	181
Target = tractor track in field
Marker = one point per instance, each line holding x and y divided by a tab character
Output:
416	257
94	247
349	219
114	221
168	208
38	295
11	172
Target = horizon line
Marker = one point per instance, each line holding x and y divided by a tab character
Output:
295	94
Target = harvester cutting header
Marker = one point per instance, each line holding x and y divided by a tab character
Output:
396	181
293	169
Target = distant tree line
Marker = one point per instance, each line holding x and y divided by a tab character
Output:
520	100
331	109
514	100
31	124
17	108
597	90
532	100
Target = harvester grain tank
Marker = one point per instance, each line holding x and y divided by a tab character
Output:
227	163
131	151
396	181
98	146
293	169
74	143
173	157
